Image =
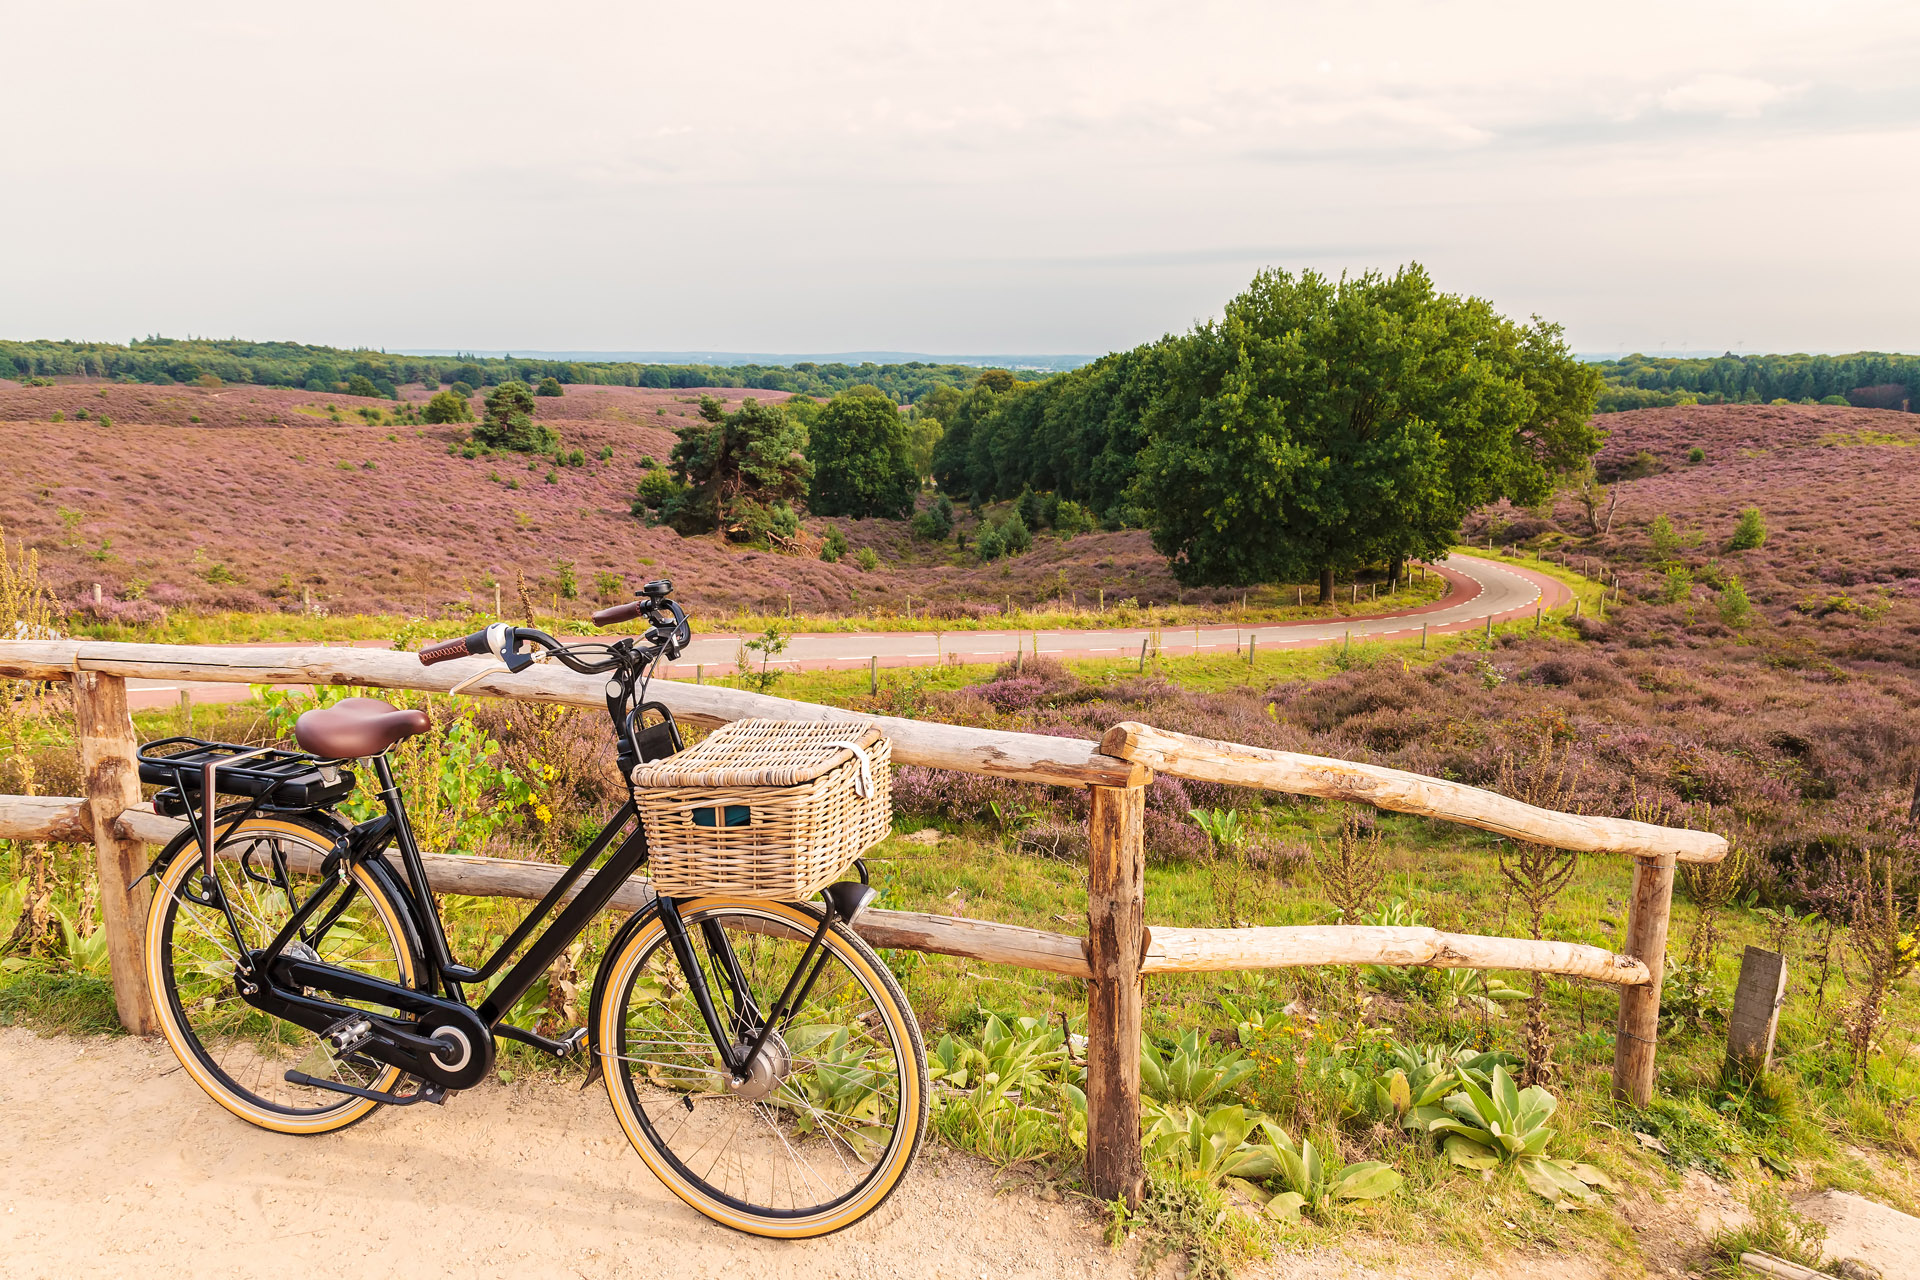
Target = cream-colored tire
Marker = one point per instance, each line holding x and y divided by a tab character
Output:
235	1052
818	1138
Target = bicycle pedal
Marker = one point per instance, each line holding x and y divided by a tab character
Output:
348	1035
571	1042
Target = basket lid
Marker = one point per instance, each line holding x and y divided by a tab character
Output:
761	753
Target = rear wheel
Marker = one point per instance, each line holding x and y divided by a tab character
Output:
832	1113
237	1053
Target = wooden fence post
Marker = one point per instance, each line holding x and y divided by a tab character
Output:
1756	1012
1636	1033
107	759
1116	940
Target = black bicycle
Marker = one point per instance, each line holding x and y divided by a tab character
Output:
759	1056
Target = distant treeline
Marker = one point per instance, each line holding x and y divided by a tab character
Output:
1868	378
292	364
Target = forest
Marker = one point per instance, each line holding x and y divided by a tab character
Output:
1864	379
291	364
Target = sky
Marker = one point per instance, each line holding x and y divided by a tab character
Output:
1031	177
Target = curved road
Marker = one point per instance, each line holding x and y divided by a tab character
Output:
1481	588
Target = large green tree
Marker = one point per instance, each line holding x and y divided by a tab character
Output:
1324	424
741	471
862	459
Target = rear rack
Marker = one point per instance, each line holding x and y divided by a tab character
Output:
278	779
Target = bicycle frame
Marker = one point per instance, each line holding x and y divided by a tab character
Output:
286	984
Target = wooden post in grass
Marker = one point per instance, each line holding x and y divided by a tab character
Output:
1423	635
112	772
1536	617
1116	941
1756	1012
1637	1032
873	674
1143	654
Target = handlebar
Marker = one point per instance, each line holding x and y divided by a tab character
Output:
447	650
616	614
667	637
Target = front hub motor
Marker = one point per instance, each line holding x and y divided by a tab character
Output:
764	1074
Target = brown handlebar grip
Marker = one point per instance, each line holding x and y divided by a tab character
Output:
446	651
617	613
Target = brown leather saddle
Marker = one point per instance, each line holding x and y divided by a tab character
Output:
356	727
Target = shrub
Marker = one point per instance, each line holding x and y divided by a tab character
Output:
550	387
1008	538
1750	533
1071	518
1840	401
658	495
447	406
1696	454
867	559
462	389
361	385
834	547
936	522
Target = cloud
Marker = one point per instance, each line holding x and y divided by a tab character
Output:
1736	97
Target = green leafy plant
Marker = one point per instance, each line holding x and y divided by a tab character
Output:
1315	1187
1191	1073
1226	836
1010	1095
1409	1091
769	644
1205	1147
1486	1128
1253	1023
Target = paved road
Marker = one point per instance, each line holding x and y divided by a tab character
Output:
1481	588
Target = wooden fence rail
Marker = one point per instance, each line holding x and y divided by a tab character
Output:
1119	951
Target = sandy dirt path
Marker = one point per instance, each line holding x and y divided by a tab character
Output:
113	1163
117	1165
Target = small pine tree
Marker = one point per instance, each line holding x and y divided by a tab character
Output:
1735	609
509	423
550	387
1662	538
1751	532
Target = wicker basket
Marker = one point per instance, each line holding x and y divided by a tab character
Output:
765	808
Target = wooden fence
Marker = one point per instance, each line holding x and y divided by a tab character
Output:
1118	952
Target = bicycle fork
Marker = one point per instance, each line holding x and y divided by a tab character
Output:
844	903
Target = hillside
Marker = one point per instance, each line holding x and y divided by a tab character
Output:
249	498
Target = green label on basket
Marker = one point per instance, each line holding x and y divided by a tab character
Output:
736	816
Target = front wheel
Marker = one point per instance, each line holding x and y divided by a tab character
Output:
832	1112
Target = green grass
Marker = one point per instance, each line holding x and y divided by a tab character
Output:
1266	607
56	1000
